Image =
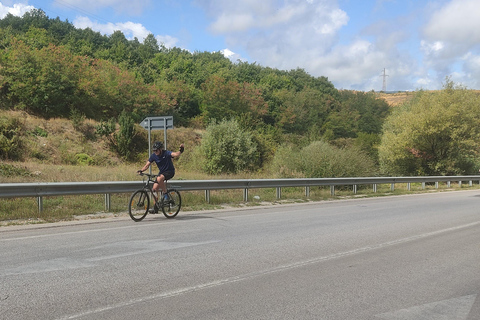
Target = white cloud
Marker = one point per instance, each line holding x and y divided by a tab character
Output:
295	33
131	30
121	6
451	34
471	68
457	22
242	16
168	41
432	48
337	19
312	34
18	9
249	14
234	57
227	53
357	65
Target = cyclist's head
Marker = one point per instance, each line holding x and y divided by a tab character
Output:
157	146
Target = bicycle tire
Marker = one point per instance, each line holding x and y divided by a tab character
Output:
171	207
138	205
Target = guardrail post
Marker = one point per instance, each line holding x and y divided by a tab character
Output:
279	193
392	187
409	186
207	196
40	204
423	185
460	184
448	184
470	183
245	195
375	187
332	190
107	202
307	192
354	189
436	184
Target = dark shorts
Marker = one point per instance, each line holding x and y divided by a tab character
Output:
167	174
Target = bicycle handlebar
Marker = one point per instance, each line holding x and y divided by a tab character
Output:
150	176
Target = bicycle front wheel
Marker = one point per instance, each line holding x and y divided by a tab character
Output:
172	206
138	205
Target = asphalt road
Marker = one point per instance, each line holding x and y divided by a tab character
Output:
402	257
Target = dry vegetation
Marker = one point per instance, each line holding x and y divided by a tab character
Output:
395	99
55	151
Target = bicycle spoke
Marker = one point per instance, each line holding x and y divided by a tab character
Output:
139	204
172	206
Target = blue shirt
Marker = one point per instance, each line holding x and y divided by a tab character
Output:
164	161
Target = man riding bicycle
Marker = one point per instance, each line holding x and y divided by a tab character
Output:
163	159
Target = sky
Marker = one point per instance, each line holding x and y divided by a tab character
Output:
363	45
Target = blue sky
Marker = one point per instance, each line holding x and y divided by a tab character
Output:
418	42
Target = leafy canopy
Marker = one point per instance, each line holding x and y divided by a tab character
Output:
435	134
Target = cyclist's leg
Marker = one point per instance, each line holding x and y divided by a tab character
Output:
161	183
156	184
162	178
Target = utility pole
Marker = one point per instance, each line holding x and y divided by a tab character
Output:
384	87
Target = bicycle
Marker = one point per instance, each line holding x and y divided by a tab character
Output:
139	205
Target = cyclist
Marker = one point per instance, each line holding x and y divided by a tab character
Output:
163	159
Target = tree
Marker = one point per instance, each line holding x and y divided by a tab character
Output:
125	137
43	82
229	99
149	48
371	110
435	134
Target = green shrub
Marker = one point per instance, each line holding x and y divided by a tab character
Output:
84	159
286	162
11	142
40	132
8	170
77	119
125	136
322	160
228	149
106	128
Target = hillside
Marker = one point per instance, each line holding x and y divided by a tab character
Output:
395	99
79	95
56	150
51	69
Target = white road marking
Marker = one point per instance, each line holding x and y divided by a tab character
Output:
451	309
133	248
248	276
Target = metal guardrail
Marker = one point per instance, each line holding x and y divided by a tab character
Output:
42	189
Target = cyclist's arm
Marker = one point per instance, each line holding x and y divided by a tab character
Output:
145	167
177	154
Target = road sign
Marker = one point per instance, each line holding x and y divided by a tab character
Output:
157	123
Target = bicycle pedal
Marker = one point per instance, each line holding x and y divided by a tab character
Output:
153	210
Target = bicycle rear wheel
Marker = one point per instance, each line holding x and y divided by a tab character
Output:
172	206
138	205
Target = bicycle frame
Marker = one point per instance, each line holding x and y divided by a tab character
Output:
140	201
151	178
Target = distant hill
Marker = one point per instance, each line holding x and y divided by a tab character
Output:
397	98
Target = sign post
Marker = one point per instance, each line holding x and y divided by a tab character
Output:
157	123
